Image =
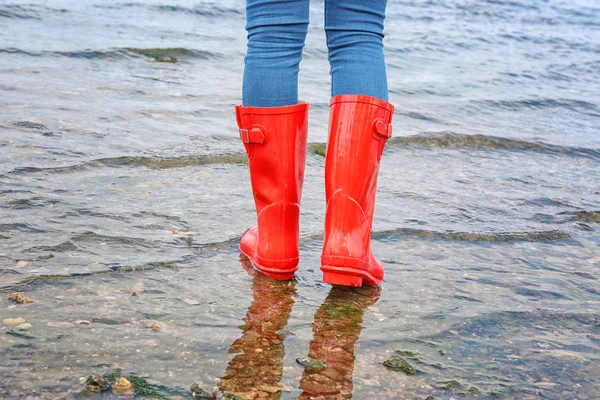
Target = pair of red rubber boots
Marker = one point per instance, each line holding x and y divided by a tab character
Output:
275	141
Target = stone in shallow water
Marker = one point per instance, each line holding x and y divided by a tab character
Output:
200	394
20	334
397	363
96	384
311	364
13	321
122	386
449	385
59	324
19	298
24	327
227	396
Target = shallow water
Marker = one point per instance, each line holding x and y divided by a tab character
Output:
124	191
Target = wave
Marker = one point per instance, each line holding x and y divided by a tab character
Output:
570	216
581	106
231	245
500	237
439	140
585	216
26	11
156	162
21	227
140	161
484	142
167	54
206	10
32	281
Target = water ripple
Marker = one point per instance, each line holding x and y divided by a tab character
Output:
168	54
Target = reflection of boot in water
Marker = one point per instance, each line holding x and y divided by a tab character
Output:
336	329
255	371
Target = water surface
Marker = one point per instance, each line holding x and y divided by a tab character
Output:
124	191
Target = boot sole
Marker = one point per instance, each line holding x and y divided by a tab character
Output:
273	273
348	277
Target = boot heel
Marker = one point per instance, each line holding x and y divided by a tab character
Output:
340	278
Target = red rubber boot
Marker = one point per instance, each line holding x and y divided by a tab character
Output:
359	127
275	141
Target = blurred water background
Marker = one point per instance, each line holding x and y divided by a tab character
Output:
124	191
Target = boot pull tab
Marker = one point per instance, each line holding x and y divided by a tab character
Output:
257	134
381	128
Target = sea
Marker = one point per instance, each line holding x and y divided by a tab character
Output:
124	191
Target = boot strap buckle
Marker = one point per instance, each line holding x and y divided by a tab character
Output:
381	128
254	135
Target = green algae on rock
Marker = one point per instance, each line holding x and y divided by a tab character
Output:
310	364
397	363
140	385
317	148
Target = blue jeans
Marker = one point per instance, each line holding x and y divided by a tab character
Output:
276	33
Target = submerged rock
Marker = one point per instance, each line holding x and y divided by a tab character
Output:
19	298
200	394
449	385
122	386
59	324
227	396
20	334
155	326
24	327
397	363
13	321
311	364
96	384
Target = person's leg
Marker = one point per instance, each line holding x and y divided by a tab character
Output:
273	127
276	33
355	41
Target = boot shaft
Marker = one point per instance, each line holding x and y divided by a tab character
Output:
275	142
359	127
